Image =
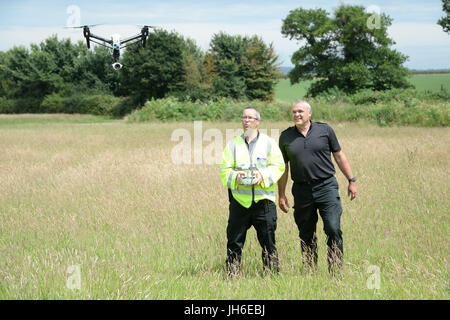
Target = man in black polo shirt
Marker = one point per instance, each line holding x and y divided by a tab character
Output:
307	146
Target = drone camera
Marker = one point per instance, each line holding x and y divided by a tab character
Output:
116	66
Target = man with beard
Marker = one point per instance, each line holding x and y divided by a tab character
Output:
252	163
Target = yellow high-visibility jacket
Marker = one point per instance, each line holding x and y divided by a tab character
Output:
266	157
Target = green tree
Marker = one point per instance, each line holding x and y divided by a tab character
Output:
228	52
156	70
56	68
444	22
13	70
344	51
93	71
80	69
29	76
244	67
198	83
259	69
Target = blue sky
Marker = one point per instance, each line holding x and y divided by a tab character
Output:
414	28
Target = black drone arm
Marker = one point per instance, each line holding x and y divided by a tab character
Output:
91	35
142	37
131	39
100	43
127	44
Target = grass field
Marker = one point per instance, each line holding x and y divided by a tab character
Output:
104	198
431	82
284	91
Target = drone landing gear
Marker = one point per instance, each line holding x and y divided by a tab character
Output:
116	65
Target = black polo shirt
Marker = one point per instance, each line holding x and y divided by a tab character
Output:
310	156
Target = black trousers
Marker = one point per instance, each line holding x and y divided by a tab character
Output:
263	217
322	196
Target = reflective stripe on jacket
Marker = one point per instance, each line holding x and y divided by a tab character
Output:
266	157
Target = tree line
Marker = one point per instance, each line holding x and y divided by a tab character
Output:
61	76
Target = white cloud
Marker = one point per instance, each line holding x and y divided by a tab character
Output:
418	34
193	12
24	36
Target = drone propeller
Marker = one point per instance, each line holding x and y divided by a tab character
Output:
143	26
87	25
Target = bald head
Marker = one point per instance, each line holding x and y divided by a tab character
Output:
301	114
303	103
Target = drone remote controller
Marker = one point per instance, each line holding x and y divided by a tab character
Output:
247	180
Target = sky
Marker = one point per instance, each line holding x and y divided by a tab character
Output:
414	28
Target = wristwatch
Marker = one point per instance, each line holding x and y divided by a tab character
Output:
352	179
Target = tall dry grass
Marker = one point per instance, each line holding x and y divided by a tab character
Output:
106	197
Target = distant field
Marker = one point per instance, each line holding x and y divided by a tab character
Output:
431	82
95	209
284	91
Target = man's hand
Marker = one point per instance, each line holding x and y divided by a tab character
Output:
284	205
258	178
240	175
352	190
283	202
344	165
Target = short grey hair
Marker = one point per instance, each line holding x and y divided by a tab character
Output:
302	102
258	115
